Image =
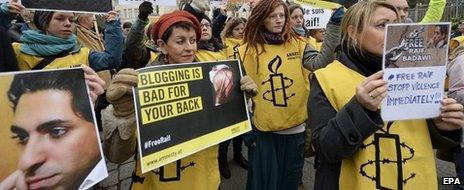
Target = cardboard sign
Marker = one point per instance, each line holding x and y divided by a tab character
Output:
184	108
48	130
315	15
170	3
97	6
414	61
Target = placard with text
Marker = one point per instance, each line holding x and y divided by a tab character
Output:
414	61
184	108
96	6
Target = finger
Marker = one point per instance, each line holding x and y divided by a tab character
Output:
95	87
95	78
457	123
370	86
21	182
454	114
375	76
88	70
452	107
447	101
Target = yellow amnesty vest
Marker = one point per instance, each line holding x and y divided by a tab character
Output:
153	56
27	62
283	85
231	51
314	43
206	55
199	171
399	156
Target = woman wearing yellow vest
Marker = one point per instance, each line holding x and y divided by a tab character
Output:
209	47
276	58
54	45
176	34
232	36
355	149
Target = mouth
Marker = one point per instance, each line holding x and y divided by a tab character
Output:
67	31
41	182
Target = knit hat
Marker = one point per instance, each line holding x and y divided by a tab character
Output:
167	20
42	19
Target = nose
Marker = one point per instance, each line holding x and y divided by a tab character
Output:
402	14
33	156
280	18
190	46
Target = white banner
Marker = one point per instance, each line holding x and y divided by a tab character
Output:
414	63
155	2
315	17
218	3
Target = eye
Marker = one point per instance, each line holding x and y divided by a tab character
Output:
22	138
381	25
57	132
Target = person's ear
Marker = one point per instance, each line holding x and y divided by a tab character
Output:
352	34
162	45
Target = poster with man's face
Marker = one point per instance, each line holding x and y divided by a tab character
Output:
48	135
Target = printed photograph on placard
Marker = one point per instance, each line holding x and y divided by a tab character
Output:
416	45
48	135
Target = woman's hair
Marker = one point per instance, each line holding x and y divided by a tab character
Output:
358	17
230	25
253	33
184	25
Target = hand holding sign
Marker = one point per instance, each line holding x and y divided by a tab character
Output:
15	7
451	117
372	91
120	92
94	82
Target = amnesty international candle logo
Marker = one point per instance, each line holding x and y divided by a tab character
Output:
278	83
184	108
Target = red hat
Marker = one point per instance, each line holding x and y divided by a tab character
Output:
167	20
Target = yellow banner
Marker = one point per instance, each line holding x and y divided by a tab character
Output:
187	148
159	78
319	3
164	111
163	94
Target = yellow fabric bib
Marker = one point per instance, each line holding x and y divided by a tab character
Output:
205	55
398	157
153	56
283	85
27	62
199	171
231	51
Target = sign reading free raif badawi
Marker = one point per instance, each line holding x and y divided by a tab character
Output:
184	108
414	61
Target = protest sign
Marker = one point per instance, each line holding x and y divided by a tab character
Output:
316	13
414	62
218	3
170	3
184	108
48	131
97	6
